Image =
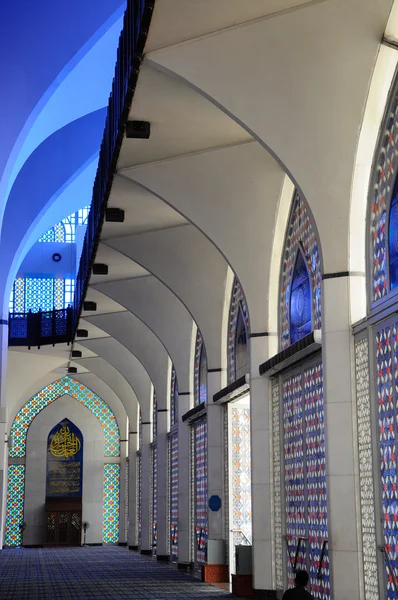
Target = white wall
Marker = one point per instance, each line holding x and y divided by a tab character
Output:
36	461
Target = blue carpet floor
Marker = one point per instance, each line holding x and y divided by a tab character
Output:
108	573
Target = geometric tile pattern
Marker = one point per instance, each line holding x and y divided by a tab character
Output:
305	477
154	417
201	527
154	496
387	382
276	465
49	394
238	305
300	234
174	497
110	532
65	231
367	493
384	178
173	398
139	497
15	505
241	475
107	573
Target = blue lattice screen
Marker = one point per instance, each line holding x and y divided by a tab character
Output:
111	508
41	294
201	527
305	477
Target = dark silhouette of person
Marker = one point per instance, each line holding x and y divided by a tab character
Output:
299	592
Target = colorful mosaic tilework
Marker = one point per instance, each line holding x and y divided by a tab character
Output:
15	505
387	386
238	309
41	294
384	182
305	477
173	398
154	496
139	497
174	498
154	416
241	474
110	533
201	528
300	232
200	373
49	394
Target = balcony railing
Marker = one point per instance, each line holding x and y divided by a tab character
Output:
129	57
41	328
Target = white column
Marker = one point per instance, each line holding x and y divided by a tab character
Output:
162	548
132	539
260	410
146	534
183	481
341	442
215	456
123	492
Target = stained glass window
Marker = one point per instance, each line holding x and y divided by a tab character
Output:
154	416
238	333
300	237
305	477
110	533
300	301
154	496
173	398
201	528
65	231
41	293
200	374
140	432
387	392
49	394
241	475
15	505
139	496
383	191
174	497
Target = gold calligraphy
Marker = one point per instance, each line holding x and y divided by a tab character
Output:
64	443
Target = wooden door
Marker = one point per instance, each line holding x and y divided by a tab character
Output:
63	527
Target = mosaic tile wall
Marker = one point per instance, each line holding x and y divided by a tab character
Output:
241	475
300	231
277	500
154	495
238	303
305	477
201	527
154	417
110	534
174	497
55	390
384	182
15	505
139	497
387	386
366	482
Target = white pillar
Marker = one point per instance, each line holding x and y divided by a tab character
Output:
132	538
341	454
215	456
146	533
163	547
260	410
123	492
184	534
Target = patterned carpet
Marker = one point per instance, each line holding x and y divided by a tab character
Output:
107	573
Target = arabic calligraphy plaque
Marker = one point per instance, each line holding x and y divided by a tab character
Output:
64	461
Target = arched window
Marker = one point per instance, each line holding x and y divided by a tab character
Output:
383	230
238	334
200	374
300	309
300	301
65	230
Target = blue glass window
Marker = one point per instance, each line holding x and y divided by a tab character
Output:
65	231
41	293
241	349
393	239
203	376
300	301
